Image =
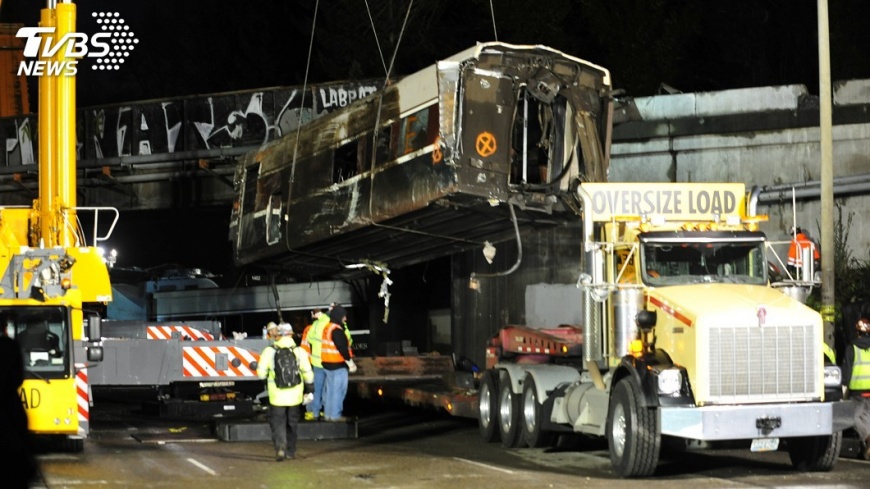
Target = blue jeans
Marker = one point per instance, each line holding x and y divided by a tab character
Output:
336	389
319	381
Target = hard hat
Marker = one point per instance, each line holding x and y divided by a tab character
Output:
271	325
285	329
863	326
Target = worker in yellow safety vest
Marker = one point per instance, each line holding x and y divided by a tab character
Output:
856	376
284	401
311	342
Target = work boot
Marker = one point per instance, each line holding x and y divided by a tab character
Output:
309	416
279	455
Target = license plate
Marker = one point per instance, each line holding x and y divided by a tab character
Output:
764	444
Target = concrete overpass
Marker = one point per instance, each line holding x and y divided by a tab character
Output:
767	136
165	153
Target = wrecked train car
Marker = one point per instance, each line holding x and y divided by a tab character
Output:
468	150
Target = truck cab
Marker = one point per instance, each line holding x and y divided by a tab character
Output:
684	340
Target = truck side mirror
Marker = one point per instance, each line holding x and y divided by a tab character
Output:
646	320
95	353
93	327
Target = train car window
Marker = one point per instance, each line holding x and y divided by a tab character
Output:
273	222
250	195
345	162
382	151
415	131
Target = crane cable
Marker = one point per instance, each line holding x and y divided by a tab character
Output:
377	41
492	13
375	147
302	102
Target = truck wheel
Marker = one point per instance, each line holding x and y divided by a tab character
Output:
508	414
815	453
533	417
633	432
487	409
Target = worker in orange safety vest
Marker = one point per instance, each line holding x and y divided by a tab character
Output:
337	364
800	241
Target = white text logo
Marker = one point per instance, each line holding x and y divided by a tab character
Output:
109	48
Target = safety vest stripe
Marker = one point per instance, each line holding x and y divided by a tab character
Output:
311	343
860	370
328	351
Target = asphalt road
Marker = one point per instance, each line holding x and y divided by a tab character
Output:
397	447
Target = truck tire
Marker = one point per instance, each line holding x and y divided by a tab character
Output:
532	424
815	453
508	414
487	407
633	432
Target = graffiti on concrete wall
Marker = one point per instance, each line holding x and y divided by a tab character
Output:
203	122
19	136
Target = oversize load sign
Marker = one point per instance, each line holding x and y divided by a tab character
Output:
676	201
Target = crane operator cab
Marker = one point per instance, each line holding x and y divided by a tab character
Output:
40	341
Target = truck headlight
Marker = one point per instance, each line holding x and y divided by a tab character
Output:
670	382
833	376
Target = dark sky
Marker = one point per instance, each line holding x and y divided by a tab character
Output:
203	46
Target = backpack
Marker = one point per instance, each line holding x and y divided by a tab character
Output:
286	369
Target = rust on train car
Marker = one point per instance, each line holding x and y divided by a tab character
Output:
456	144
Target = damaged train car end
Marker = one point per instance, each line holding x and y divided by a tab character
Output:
468	150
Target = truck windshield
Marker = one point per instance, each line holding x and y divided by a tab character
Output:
678	263
42	333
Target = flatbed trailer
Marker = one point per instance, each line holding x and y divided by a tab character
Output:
429	381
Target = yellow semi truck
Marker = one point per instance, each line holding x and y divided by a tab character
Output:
48	274
684	341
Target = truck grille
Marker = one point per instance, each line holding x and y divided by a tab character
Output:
754	364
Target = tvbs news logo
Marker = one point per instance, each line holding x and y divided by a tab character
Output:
108	49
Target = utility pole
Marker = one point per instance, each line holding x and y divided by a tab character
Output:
827	173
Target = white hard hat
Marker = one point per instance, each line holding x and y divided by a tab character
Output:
285	329
271	325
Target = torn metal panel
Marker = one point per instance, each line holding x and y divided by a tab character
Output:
426	168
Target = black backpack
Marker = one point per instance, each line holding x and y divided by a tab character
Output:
286	369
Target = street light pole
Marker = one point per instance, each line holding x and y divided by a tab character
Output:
827	172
